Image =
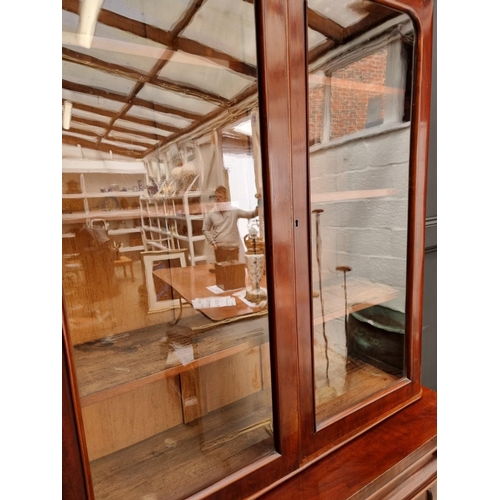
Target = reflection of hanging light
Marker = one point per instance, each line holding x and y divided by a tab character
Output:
68	106
89	12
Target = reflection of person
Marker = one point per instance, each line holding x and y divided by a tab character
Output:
220	226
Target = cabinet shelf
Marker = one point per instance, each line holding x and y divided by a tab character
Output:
183	217
360	295
124	230
144	356
114	207
145	467
107	194
351	195
106	215
187	194
114	194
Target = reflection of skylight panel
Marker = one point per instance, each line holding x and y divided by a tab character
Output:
175	100
340	11
124	145
156	116
185	69
143	128
149	12
88	128
314	38
92	100
95	78
80	136
131	137
235	19
75	113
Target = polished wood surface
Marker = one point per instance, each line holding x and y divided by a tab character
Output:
149	374
124	362
191	283
374	462
74	485
180	461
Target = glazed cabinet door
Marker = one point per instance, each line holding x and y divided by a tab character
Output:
365	183
183	370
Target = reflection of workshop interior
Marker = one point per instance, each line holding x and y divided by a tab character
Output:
141	158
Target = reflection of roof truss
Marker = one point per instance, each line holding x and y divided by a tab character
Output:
139	126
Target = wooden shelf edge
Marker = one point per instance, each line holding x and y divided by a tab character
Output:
351	195
96	397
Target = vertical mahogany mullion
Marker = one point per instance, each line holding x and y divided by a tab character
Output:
273	33
302	232
274	21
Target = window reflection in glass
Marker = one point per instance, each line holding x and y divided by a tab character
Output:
360	70
166	308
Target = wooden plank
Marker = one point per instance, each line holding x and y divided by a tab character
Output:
350	382
124	362
207	389
266	365
360	295
182	460
131	417
351	195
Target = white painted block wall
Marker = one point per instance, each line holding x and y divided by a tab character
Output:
369	235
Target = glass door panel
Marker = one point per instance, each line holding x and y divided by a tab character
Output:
164	268
360	73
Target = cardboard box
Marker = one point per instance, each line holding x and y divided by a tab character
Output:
230	275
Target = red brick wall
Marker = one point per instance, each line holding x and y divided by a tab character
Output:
316	110
349	99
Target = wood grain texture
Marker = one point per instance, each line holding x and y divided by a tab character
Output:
72	465
184	459
118	422
218	384
191	282
124	362
360	468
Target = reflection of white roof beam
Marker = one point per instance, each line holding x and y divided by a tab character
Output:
89	11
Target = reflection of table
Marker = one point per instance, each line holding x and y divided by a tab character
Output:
191	282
